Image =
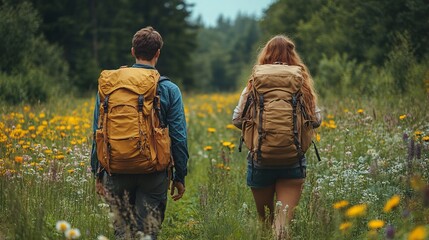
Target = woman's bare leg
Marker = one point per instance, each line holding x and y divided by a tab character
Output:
264	198
288	192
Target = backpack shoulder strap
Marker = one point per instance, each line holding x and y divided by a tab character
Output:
158	100
163	78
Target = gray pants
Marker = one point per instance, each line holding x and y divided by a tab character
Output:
138	203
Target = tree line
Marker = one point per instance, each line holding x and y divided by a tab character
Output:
360	46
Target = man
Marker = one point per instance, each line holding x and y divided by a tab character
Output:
139	200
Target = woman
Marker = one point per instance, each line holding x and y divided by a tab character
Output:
281	183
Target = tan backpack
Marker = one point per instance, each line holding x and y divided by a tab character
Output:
131	138
275	127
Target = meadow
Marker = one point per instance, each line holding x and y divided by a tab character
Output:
371	182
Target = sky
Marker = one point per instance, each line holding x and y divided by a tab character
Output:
211	9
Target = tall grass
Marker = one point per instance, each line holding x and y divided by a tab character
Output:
371	149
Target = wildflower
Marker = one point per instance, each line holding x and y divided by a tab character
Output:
211	130
417	183
330	116
19	159
418	233
356	210
230	126
341	204
227	168
59	157
220	165
62	226
360	111
48	151
345	226
391	203
70	171
317	137
73	233
42	115
425	138
375	224
208	148
27	108
418	133
226	144
101	237
390	232
402	117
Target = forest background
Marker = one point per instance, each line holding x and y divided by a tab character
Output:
371	47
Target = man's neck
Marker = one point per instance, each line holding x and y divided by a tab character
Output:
145	62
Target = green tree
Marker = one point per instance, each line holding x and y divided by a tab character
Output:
97	35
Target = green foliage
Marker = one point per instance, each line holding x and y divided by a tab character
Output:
97	35
369	46
224	52
18	25
29	88
31	68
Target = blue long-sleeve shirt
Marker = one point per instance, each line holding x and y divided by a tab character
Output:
173	114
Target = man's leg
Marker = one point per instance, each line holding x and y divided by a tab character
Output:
121	198
151	202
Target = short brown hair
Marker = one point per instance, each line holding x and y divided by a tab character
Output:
146	43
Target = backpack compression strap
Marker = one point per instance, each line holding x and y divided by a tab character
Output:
157	101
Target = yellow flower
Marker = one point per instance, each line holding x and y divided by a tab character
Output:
226	144
402	117
59	157
19	159
317	137
425	138
42	115
230	126
375	224
27	108
345	226
418	133
208	148
418	233
220	165
391	203
211	130
330	116
356	210
360	111
341	204
70	171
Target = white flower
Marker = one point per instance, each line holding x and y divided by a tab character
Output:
62	226
244	206
73	233
101	237
147	237
279	204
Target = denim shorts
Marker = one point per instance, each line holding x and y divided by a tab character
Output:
262	177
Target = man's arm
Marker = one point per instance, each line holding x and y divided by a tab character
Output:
175	118
94	159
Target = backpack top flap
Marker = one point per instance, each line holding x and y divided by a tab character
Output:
139	80
272	77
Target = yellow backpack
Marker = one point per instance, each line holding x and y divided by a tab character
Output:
275	126
131	137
